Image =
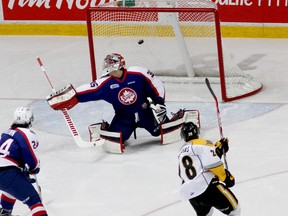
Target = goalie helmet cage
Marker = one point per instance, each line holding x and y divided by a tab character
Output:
178	40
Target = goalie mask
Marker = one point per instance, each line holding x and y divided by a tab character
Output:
189	131
23	116
113	62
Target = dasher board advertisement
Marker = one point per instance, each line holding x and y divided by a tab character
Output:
248	11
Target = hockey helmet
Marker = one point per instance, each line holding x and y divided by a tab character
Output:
113	62
189	131
23	116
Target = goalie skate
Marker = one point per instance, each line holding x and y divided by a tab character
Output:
170	132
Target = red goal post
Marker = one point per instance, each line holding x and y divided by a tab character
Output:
178	40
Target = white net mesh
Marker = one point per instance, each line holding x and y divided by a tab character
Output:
176	40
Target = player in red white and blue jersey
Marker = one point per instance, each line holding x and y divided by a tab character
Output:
127	90
18	160
136	94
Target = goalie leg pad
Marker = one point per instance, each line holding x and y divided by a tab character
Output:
94	131
170	132
192	116
111	147
113	140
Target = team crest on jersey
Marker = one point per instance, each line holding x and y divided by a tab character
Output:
127	96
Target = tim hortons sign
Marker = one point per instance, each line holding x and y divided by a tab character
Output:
55	10
249	11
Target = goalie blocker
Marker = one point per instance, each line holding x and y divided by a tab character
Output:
170	132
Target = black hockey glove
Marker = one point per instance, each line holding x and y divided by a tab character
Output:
222	146
229	180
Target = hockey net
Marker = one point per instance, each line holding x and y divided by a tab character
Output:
178	40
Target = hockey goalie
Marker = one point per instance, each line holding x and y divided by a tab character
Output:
138	99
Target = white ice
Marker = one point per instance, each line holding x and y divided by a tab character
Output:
144	180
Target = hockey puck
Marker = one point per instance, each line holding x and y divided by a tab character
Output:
141	41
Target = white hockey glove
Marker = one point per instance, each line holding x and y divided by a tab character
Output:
63	99
159	111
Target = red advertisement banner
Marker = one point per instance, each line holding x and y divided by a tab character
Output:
54	10
255	11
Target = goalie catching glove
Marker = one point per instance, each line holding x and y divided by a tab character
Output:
159	111
63	99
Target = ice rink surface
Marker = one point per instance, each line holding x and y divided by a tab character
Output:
144	181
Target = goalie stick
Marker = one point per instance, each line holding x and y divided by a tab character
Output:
218	116
72	128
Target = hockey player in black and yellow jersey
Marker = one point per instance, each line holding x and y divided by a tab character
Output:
205	181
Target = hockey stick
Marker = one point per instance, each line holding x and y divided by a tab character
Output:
72	128
38	187
218	116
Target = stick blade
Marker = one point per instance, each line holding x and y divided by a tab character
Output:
210	88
